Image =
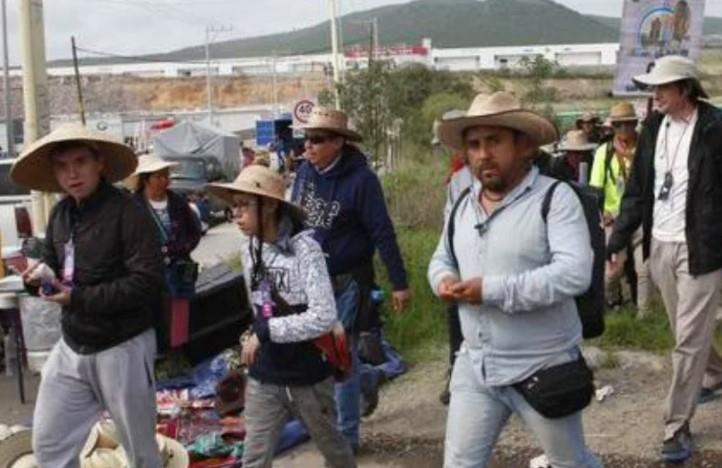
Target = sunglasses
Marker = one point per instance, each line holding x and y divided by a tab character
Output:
318	139
630	123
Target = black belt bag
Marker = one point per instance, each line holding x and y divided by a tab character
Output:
560	390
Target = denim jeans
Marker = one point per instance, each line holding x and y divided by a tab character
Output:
478	413
348	393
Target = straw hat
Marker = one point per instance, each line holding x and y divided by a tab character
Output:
103	450
34	170
16	451
150	163
669	69
498	109
576	140
331	120
587	117
256	180
622	112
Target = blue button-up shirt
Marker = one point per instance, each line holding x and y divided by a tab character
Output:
531	271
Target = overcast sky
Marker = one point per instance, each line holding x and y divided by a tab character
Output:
132	27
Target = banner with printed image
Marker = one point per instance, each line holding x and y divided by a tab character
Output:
654	28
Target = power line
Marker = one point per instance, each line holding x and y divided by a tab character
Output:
135	58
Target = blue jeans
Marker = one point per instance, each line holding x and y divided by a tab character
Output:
348	393
478	413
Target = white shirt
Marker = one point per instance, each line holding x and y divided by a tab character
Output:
672	155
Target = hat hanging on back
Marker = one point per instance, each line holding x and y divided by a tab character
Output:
500	109
670	69
257	180
34	169
330	120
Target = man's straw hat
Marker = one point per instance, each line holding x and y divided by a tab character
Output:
34	169
587	117
622	112
330	120
576	140
669	69
256	180
500	109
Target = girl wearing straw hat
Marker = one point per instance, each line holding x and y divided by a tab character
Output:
180	232
293	302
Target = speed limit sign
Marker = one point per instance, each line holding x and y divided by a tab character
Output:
302	110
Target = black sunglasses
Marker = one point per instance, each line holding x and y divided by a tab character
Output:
318	139
630	123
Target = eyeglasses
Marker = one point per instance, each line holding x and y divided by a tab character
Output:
244	205
317	139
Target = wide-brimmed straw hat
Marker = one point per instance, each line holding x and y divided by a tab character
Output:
669	69
257	180
103	450
330	120
500	109
622	112
150	163
16	450
576	140
587	117
34	170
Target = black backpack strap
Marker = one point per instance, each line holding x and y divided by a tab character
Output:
450	227
546	204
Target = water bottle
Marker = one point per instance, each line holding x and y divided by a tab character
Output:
377	295
11	353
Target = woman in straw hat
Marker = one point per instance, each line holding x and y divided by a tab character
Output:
102	263
293	302
179	230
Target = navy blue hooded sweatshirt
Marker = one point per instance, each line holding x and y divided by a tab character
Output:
346	209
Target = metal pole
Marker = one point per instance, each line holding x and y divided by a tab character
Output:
35	93
9	127
334	52
209	95
275	86
376	36
81	105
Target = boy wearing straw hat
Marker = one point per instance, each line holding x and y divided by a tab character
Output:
346	209
101	262
674	193
515	277
293	302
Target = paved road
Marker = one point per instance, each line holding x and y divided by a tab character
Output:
218	245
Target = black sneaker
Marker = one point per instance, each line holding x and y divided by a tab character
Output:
679	448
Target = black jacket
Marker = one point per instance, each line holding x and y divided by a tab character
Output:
704	193
118	275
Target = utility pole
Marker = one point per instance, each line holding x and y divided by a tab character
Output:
274	84
81	105
334	52
35	92
209	88
9	127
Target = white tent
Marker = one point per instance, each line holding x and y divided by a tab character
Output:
193	139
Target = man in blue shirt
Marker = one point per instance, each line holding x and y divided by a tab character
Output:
345	207
515	284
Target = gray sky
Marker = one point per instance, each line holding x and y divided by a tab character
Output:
132	27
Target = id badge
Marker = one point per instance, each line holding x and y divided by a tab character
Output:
69	262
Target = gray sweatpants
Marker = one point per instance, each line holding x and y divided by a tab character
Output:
269	407
76	388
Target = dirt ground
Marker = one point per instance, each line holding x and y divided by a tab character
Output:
626	429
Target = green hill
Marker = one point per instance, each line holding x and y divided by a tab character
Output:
449	23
